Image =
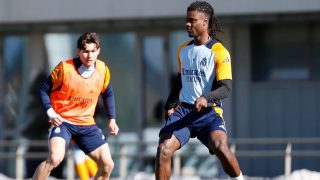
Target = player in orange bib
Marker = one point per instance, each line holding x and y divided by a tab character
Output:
85	166
70	95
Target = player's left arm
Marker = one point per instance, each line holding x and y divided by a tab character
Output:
109	103
223	90
223	85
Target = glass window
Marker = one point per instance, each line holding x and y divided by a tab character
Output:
59	47
176	38
14	79
284	52
155	79
118	51
315	52
158	74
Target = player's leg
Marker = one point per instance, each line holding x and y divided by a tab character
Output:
80	163
211	132
173	135
168	144
91	166
219	145
56	155
92	142
102	156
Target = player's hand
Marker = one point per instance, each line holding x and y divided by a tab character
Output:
200	103
56	121
54	118
169	112
113	127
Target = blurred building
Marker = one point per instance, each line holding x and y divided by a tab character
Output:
274	45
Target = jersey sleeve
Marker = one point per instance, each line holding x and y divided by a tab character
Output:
109	102
51	83
178	55
57	76
108	96
222	62
178	59
106	79
44	93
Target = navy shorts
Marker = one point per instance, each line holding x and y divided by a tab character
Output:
186	123
88	138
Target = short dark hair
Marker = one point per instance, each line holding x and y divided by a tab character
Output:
207	9
88	37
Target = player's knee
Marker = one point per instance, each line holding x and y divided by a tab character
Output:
219	146
108	167
53	162
164	152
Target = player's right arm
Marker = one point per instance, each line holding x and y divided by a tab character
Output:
53	82
173	99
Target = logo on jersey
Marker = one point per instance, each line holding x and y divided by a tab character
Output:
81	101
226	60
192	75
203	62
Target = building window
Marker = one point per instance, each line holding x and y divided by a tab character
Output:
285	52
154	78
14	79
176	38
118	50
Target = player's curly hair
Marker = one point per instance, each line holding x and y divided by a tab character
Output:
206	8
88	37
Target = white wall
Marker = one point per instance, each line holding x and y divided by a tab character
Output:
23	11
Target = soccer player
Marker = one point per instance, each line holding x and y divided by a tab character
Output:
85	166
193	108
70	95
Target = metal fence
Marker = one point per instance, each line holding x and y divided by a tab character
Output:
287	152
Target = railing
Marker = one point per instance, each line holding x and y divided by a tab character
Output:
20	155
